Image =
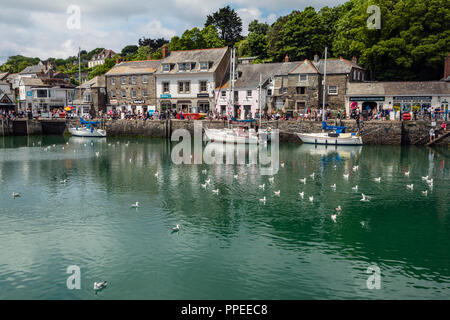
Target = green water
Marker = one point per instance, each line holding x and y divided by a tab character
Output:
231	245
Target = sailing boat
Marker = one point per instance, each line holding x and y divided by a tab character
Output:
330	135
242	133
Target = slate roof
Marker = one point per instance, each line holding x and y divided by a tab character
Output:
134	67
3	75
410	88
32	69
97	82
214	56
336	66
304	67
108	54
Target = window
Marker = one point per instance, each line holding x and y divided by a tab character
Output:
166	67
204	65
184	87
144	93
203	86
124	94
269	92
165	86
284	90
184	67
133	80
332	90
354	74
41	93
123	80
113	94
359	75
300	90
133	93
303	77
87	97
113	81
223	94
144	79
249	93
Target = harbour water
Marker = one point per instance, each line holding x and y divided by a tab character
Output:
230	245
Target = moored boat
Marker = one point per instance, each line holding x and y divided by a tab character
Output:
88	130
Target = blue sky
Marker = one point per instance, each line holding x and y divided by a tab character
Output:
39	28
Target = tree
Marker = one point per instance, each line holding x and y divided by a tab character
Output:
17	63
142	53
211	37
256	27
129	50
412	43
153	44
101	69
228	23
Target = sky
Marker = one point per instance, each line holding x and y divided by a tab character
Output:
49	28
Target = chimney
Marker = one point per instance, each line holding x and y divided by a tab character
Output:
354	59
165	51
316	58
286	58
118	60
447	67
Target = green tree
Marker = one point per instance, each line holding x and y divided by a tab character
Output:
129	50
256	27
211	37
228	23
143	53
101	69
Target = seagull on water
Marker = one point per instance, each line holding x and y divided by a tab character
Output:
338	209
303	180
97	154
430	182
208	181
410	186
333	186
263	200
302	194
64	181
312	175
311	199
156	174
377	179
136	205
100	285
282	164
216	191
176	228
425	178
355	168
262	186
15	194
204	185
365	198
236	176
277	193
425	193
355	188
204	171
333	217
346	176
407	174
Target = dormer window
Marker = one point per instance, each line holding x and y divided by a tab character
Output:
204	66
303	77
166	67
184	67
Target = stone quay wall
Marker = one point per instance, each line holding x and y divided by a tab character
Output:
372	132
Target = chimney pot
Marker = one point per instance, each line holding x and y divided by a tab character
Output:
165	51
316	58
286	58
354	59
447	67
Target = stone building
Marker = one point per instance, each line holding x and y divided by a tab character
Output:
90	97
131	86
99	58
186	80
301	87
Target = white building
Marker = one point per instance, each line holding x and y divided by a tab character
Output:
187	79
99	58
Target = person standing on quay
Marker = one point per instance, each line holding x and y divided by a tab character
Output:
432	135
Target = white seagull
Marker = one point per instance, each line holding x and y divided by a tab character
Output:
355	168
425	193
302	194
236	176
333	217
333	186
410	186
303	180
176	228
311	199
100	285
312	175
277	193
263	200
204	171
204	185
262	186
15	195
208	181
365	198
136	205
338	209
156	174
425	178
346	176
271	180
216	191
97	154
377	179
282	164
407	174
355	188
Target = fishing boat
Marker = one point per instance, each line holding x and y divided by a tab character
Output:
332	135
87	129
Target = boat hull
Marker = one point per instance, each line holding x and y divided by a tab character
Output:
228	136
313	138
83	132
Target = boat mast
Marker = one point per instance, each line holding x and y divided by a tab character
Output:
79	74
259	99
324	85
233	75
